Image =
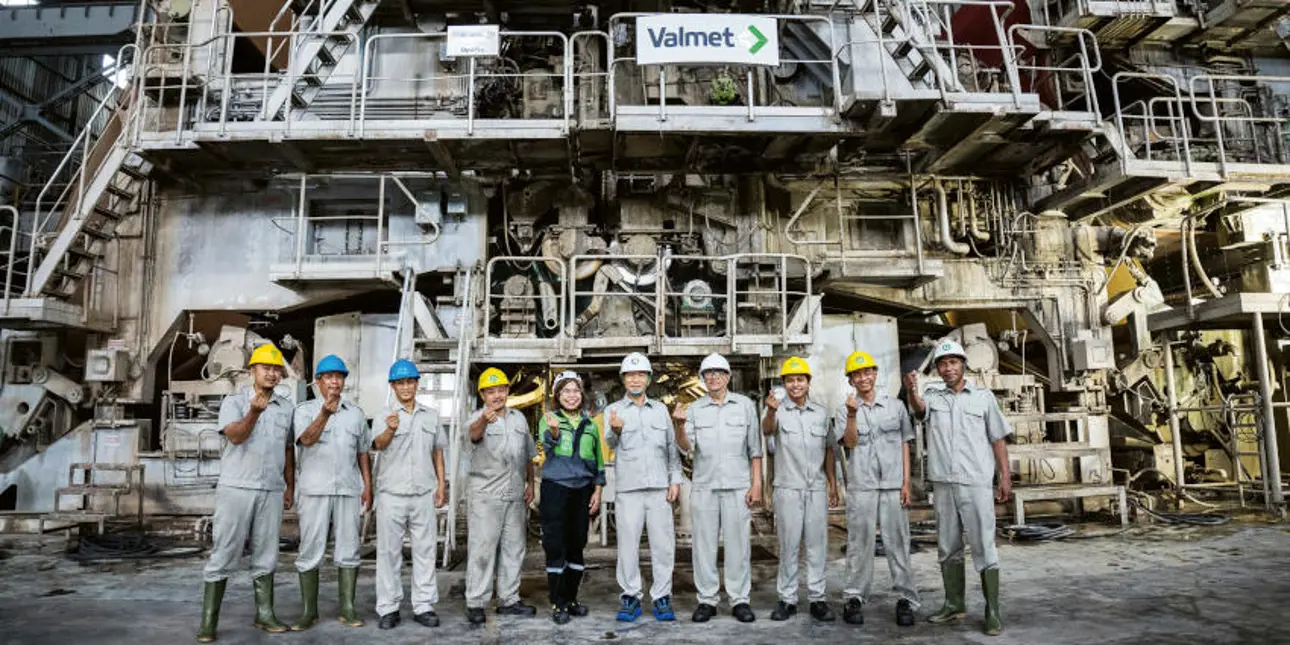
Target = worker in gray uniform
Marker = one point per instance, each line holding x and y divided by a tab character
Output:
720	430
966	442
257	474
876	435
805	487
335	489
409	487
499	490
648	481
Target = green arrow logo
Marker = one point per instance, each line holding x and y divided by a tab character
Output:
761	40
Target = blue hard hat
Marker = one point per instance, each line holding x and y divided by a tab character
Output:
330	363
403	368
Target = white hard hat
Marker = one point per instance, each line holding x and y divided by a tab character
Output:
714	362
567	376
948	347
635	362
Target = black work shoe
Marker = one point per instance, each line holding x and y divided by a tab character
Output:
820	611
703	613
576	609
390	620
517	609
560	615
853	611
743	613
783	611
904	613
475	615
427	619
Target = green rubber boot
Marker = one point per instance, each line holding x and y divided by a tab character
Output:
955	584
212	598
264	617
308	601
348	585
990	587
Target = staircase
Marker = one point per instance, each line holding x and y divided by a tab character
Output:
74	224
326	29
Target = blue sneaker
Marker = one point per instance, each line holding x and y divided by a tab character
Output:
663	609
630	611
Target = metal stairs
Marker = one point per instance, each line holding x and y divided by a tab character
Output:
72	232
329	29
88	489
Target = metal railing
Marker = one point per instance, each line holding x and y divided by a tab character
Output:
754	87
382	254
487	81
1214	121
651	289
14	229
547	305
1075	71
1058	12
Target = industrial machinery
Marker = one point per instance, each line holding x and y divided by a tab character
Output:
1093	197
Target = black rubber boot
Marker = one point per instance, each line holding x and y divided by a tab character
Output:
555	588
308	601
212	598
264	616
573	580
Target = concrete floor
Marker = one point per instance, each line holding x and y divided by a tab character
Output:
1228	584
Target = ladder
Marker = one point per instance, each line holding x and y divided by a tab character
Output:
907	30
88	488
1242	416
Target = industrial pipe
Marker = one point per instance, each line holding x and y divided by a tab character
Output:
943	217
1195	261
1171	391
1271	455
550	249
977	233
550	307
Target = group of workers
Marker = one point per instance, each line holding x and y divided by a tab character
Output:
721	432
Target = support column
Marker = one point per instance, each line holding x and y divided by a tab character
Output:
1171	391
1271	456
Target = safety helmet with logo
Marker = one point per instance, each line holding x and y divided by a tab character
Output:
331	363
795	365
946	348
562	379
492	377
714	362
860	360
266	354
403	369
635	362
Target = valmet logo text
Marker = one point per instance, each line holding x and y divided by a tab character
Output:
665	38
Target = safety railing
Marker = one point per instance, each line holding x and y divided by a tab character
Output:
753	306
747	89
14	266
375	258
1062	12
1068	83
84	159
475	87
530	303
1218	120
589	78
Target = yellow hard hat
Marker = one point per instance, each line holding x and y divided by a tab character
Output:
795	365
859	361
267	354
492	377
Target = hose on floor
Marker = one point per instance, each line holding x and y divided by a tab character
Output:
1035	532
126	546
1197	519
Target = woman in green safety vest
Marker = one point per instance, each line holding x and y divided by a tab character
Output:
572	477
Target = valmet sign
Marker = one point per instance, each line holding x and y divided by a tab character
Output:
669	38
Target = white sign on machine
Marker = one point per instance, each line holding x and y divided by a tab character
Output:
473	40
669	38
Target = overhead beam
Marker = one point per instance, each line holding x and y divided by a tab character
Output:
441	154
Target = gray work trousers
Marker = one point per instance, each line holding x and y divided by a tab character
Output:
636	511
495	544
415	517
724	515
801	521
317	512
866	509
962	508
241	513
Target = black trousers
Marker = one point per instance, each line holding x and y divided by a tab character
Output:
565	518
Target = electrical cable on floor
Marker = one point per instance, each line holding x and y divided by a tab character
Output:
126	546
1035	532
1197	519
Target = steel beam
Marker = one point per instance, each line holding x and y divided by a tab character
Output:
1271	455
